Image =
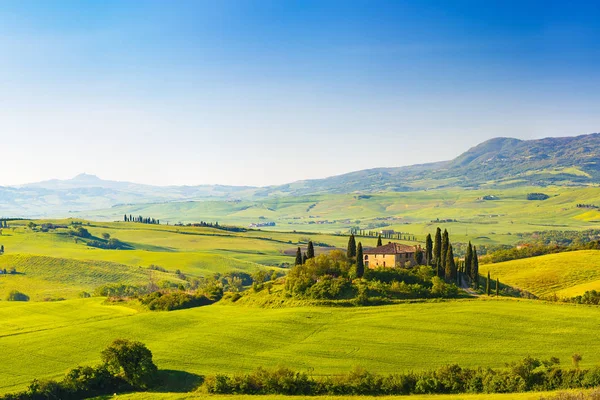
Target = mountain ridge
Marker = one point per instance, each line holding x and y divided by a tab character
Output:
499	161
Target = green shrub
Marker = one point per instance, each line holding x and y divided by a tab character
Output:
15	295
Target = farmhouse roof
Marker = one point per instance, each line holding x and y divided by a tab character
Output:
391	248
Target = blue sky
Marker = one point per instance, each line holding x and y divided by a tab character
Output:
268	92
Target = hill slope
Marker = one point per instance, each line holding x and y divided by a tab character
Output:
566	274
232	339
496	162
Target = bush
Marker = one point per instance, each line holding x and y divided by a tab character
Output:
15	295
169	301
130	360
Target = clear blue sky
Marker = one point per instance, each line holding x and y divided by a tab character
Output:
267	92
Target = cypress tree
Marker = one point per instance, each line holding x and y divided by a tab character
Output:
429	249
310	251
469	260
497	287
379	244
475	268
437	247
360	261
487	285
298	257
445	246
125	218
351	252
448	264
304	258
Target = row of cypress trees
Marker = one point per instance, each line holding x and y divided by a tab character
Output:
302	257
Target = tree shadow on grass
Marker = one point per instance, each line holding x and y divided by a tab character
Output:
177	381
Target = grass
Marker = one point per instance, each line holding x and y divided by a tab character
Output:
43	278
566	274
43	340
483	222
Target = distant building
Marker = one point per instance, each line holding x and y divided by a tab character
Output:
390	255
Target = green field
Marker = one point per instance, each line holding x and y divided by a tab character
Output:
564	274
54	264
482	221
43	340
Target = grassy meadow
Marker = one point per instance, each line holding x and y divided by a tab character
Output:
482	221
319	340
564	274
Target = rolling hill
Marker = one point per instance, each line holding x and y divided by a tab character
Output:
496	163
322	340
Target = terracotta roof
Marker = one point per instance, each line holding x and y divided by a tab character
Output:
391	248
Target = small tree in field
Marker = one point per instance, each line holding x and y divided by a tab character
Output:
487	285
106	235
131	360
379	244
576	358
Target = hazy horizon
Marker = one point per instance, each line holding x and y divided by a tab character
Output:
260	93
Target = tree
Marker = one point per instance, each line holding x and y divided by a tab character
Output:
360	262
450	269
576	358
419	256
469	260
131	360
310	251
125	218
475	269
437	247
304	258
351	252
106	235
487	284
379	244
298	257
2	249
445	245
15	295
497	287
429	249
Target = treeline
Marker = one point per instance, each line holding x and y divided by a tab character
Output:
386	235
587	206
140	219
126	366
529	374
203	224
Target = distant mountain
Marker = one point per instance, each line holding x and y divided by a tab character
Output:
496	162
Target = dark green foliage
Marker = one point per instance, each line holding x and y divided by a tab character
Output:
487	284
15	295
451	271
360	262
329	276
379	244
469	260
529	374
298	257
310	250
445	246
437	248
537	196
475	269
132	361
304	258
351	251
159	301
110	244
419	256
81	232
429	249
